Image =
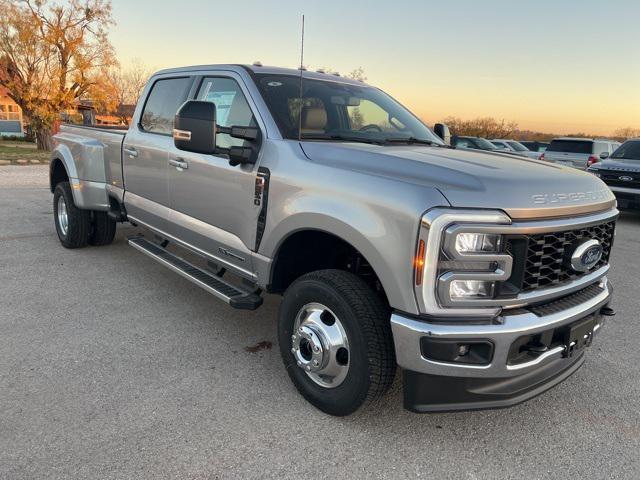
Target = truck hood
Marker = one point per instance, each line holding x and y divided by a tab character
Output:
523	187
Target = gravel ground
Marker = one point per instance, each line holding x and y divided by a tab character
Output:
113	367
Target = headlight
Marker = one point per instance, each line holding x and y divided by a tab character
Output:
477	242
458	272
470	289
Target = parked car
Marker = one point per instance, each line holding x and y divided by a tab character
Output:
621	172
473	143
515	147
388	247
578	152
535	146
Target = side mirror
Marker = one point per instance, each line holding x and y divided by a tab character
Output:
195	127
604	155
442	130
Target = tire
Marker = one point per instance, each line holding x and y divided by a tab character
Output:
349	304
103	229
74	231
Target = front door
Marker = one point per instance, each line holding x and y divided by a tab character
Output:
146	153
212	202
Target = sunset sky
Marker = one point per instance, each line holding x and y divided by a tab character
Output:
555	66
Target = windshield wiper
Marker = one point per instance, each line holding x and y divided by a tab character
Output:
411	140
343	138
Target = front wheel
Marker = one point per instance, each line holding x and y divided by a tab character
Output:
72	223
336	342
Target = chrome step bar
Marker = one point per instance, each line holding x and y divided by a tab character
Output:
231	294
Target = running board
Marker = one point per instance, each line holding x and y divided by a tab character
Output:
234	296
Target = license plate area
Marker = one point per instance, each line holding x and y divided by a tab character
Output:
570	339
579	335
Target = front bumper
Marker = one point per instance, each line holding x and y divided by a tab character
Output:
431	385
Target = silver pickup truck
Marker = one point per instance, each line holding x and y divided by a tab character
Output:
484	279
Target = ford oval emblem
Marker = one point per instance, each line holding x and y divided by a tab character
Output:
625	178
586	256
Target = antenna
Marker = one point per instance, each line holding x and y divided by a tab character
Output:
301	70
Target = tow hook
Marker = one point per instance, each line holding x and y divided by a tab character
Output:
607	311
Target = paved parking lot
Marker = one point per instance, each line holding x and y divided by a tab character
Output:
113	367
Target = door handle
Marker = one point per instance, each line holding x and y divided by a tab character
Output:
178	163
132	152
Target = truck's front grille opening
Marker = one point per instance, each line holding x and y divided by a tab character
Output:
544	259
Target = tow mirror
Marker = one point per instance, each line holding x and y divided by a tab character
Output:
196	129
604	155
442	130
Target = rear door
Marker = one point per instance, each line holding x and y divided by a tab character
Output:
146	152
213	204
571	153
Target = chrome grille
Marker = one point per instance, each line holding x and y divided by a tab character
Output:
546	256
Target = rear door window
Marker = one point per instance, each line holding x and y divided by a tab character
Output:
570	146
162	104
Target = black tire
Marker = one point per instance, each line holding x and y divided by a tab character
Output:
365	319
103	229
78	221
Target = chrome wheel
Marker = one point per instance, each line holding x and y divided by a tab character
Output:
63	216
320	345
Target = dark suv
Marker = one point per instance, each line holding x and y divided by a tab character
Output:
621	172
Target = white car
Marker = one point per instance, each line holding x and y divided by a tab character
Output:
515	147
579	152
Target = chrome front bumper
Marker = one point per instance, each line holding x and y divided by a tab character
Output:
407	333
437	386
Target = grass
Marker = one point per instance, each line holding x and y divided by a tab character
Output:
24	154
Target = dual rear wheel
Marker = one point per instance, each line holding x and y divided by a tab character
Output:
78	228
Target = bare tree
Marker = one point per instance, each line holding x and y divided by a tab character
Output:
357	74
626	133
51	55
485	127
128	84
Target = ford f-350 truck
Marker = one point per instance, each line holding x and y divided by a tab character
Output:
482	278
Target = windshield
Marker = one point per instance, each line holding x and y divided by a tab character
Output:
628	151
339	111
517	146
485	144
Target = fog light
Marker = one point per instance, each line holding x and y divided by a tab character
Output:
463	350
470	289
469	351
477	242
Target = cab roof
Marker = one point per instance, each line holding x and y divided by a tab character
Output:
259	69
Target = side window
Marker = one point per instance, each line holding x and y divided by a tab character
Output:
232	108
163	102
462	143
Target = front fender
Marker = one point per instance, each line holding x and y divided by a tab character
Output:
384	235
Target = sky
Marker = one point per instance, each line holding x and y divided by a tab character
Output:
562	66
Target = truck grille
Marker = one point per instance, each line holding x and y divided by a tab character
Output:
546	256
612	177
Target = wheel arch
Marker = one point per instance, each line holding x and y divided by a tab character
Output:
352	239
